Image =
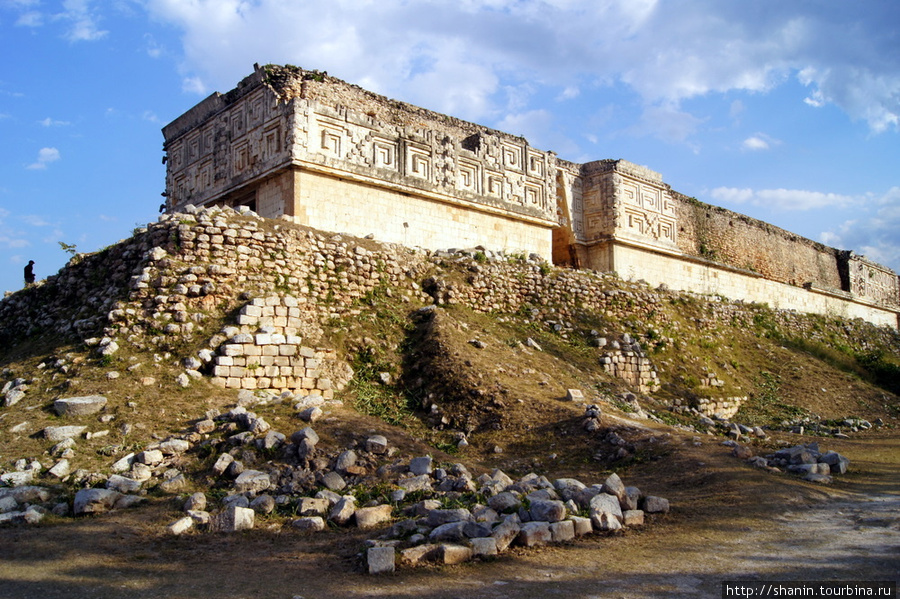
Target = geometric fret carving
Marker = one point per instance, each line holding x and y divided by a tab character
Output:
469	176
534	195
513	157
418	162
385	154
494	184
331	139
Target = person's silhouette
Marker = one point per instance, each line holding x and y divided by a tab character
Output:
29	273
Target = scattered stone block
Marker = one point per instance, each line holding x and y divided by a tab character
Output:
547	510
55	434
343	510
334	481
437	517
94	501
197	501
370	517
656	505
420	465
605	521
582	525
151	457
312	506
838	463
174	446
123	484
631	499
613	485
264	504
601	504
233	519
506	532
377	444
574	395
252	481
484	546
181	526
562	531
532	534
175	484
415	483
17	479
380	560
309	524
451	531
79	406
454	554
8	504
421	553
633	518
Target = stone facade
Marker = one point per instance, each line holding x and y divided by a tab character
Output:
330	155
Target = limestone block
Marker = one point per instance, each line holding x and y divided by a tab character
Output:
633	518
93	501
233	519
312	506
55	434
656	505
574	395
532	534
380	560
562	531
343	510
309	524
605	521
581	525
370	517
123	484
150	457
547	510
181	526
420	465
79	406
454	554
421	553
506	532
252	481
484	546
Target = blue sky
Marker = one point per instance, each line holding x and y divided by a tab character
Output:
785	111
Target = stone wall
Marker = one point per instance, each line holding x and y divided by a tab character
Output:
254	294
736	240
287	141
264	351
336	157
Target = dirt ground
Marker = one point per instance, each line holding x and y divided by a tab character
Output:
728	522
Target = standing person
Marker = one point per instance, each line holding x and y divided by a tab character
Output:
29	273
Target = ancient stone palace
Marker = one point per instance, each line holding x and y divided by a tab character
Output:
302	145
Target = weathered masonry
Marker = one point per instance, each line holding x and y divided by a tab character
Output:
299	144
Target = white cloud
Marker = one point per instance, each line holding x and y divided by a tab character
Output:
45	157
35	220
13	242
48	122
759	142
456	56
31	18
83	21
783	199
876	235
667	122
755	143
569	92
